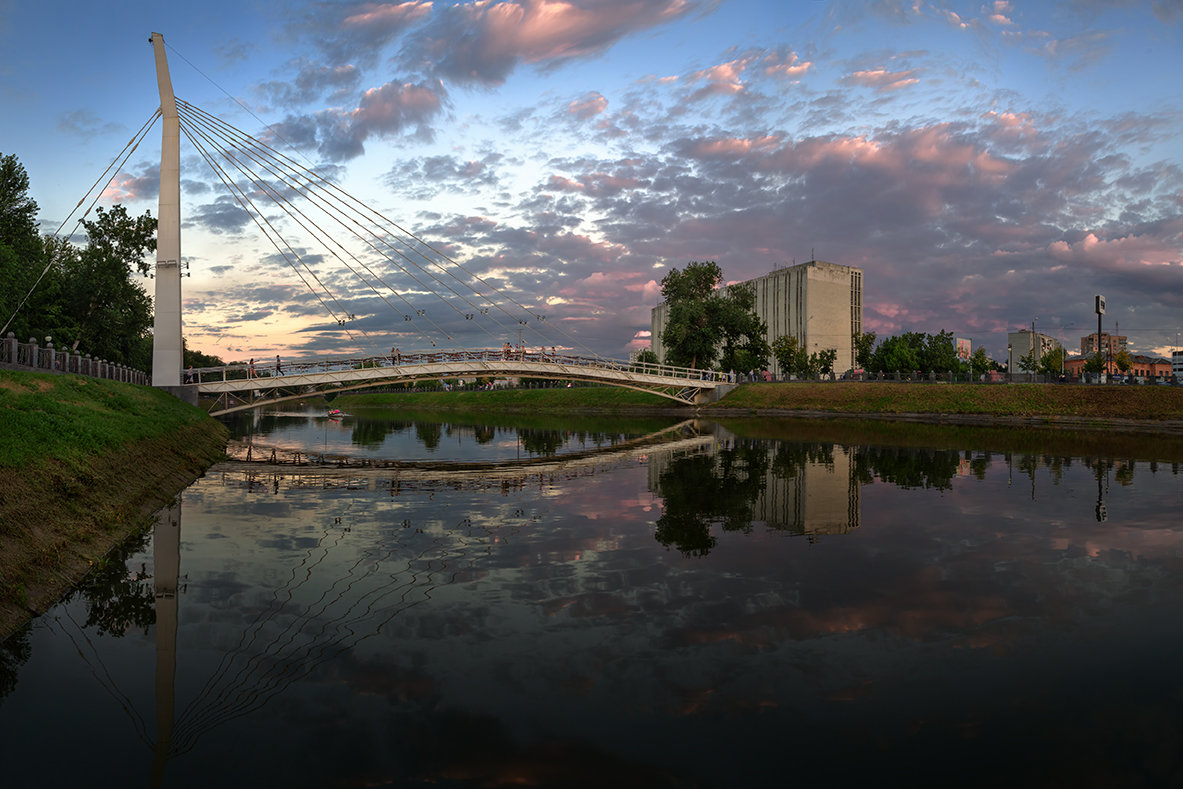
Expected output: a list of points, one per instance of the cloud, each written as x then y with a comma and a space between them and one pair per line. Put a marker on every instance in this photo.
358, 33
313, 81
483, 42
224, 215
84, 123
125, 187
881, 79
587, 107
388, 110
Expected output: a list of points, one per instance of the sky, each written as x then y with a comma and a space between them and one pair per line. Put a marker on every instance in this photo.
988, 165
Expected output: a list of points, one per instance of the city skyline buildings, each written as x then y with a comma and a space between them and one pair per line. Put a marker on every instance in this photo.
982, 163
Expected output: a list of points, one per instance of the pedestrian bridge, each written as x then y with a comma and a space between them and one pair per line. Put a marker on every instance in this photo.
240, 387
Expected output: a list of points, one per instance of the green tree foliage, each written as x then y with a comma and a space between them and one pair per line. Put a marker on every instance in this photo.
646, 356
105, 311
1052, 362
704, 319
916, 352
790, 355
1095, 363
1123, 360
793, 359
22, 258
864, 348
979, 362
86, 299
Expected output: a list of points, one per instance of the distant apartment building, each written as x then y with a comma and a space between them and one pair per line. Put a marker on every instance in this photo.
1110, 345
819, 303
1023, 343
1177, 363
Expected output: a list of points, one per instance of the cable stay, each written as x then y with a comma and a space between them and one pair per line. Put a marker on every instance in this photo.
310, 225
267, 229
317, 189
322, 200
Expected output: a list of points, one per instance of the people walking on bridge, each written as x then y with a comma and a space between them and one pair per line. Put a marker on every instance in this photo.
250, 370
278, 366
396, 356
189, 375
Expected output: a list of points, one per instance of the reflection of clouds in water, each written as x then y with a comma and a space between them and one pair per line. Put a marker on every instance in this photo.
386, 614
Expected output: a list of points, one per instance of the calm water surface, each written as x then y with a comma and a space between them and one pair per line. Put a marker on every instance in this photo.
711, 611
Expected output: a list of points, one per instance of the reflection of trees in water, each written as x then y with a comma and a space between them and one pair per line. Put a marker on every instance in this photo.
429, 433
906, 467
540, 442
743, 482
116, 601
14, 653
703, 490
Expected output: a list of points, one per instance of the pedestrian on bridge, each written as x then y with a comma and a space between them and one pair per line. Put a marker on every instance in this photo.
250, 370
278, 366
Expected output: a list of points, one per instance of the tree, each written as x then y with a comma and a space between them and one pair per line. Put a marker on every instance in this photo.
979, 362
900, 353
1052, 362
1123, 360
790, 355
744, 346
104, 311
1095, 364
22, 257
646, 356
824, 360
939, 353
703, 316
864, 348
1027, 362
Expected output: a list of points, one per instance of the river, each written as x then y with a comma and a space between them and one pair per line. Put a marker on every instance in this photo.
598, 602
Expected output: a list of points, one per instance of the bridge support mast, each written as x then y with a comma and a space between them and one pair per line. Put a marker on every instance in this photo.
167, 357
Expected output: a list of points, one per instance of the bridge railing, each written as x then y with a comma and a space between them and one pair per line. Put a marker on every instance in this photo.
269, 369
38, 357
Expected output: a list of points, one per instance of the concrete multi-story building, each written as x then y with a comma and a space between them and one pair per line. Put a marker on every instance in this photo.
1110, 345
819, 303
1022, 343
1177, 363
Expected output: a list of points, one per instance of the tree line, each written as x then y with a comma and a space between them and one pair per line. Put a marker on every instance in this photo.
712, 327
87, 297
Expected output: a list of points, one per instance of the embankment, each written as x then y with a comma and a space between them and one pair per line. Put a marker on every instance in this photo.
83, 465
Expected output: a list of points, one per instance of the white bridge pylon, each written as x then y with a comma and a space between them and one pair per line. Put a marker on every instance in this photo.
239, 387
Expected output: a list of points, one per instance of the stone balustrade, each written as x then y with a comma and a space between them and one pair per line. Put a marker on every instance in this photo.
35, 356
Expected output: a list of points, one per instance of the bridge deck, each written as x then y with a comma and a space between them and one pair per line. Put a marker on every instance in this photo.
264, 382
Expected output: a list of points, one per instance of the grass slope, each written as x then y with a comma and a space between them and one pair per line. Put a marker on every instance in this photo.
83, 464
1013, 400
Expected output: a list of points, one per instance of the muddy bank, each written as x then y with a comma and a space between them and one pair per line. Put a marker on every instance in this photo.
61, 514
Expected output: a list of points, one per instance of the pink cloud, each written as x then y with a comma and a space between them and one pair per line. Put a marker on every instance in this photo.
723, 79
375, 15
881, 79
787, 66
1128, 250
588, 107
392, 107
482, 41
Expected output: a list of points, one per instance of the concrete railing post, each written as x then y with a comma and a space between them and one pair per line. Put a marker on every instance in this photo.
9, 352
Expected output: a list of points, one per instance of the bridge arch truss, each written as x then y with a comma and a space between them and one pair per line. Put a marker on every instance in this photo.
241, 387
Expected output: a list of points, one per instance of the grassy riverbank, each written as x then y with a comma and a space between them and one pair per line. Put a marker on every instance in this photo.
1101, 403
1013, 400
83, 465
579, 398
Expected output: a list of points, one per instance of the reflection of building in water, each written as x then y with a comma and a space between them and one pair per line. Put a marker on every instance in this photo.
805, 488
819, 498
